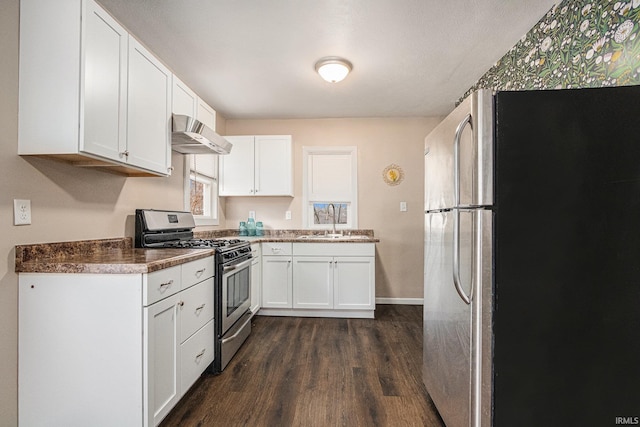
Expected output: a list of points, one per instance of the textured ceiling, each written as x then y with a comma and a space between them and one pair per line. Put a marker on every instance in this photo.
255, 58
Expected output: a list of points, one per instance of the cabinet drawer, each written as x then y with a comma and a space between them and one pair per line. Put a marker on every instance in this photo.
334, 249
196, 354
276, 248
196, 271
196, 308
160, 284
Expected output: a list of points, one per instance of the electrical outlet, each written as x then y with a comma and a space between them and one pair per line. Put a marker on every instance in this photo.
287, 215
403, 206
21, 212
252, 214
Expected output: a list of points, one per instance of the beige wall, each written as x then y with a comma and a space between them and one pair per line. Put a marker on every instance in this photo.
380, 142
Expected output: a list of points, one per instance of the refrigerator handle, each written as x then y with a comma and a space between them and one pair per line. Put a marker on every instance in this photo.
456, 200
456, 159
456, 257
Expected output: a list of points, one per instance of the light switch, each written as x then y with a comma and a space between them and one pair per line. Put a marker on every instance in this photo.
287, 215
403, 206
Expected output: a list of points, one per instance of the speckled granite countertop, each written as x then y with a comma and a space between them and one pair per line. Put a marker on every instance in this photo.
310, 236
118, 256
106, 256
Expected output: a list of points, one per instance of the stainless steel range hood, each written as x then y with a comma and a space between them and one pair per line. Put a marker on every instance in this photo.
190, 136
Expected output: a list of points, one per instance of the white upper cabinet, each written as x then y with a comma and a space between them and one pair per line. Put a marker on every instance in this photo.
184, 100
258, 166
104, 77
89, 93
237, 168
205, 114
187, 102
148, 110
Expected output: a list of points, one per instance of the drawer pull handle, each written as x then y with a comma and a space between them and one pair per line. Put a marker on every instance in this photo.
199, 355
200, 308
169, 283
199, 272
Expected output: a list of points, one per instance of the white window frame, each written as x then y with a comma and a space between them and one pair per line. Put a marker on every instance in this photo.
351, 200
212, 196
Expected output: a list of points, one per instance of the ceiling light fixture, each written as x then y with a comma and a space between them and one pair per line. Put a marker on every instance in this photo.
333, 69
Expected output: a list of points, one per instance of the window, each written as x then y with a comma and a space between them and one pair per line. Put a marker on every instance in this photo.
201, 187
330, 178
323, 213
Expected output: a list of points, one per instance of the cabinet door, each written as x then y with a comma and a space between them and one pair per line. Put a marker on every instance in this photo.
148, 111
236, 168
313, 282
274, 166
162, 356
104, 84
276, 282
354, 283
205, 114
183, 100
256, 278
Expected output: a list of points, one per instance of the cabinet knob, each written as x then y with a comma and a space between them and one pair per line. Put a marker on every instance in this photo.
181, 303
125, 153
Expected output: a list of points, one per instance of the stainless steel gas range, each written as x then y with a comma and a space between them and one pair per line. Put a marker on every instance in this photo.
158, 229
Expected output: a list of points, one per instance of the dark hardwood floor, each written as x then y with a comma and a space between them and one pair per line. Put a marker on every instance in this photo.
319, 372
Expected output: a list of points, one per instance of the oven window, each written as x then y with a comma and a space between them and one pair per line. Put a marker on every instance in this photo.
237, 290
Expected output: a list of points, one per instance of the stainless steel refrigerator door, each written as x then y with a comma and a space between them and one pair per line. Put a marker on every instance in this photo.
459, 156
481, 333
447, 318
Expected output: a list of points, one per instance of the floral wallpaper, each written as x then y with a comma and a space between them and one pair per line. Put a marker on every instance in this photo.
578, 43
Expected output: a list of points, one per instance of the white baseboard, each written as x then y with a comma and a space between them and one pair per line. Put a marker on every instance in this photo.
400, 301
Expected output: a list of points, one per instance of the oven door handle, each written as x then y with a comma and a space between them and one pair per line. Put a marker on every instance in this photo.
236, 266
234, 336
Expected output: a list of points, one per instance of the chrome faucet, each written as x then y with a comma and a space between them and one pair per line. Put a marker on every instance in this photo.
333, 217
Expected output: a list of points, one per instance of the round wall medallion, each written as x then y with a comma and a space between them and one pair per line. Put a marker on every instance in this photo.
393, 174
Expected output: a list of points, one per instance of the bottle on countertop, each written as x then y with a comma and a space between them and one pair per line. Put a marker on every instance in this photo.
259, 229
243, 229
251, 227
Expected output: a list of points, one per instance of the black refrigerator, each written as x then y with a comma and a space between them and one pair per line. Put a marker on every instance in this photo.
532, 259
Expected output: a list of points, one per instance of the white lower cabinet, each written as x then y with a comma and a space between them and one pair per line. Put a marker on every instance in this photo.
319, 279
162, 344
313, 282
340, 283
276, 281
276, 275
112, 349
256, 277
354, 283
